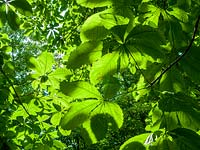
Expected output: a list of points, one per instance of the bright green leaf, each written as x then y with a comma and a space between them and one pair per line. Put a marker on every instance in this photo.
94, 3
108, 65
79, 89
55, 119
78, 113
135, 143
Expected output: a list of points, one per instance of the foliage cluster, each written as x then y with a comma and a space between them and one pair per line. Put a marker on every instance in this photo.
100, 74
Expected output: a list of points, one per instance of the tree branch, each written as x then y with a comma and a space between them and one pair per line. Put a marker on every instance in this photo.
9, 81
180, 57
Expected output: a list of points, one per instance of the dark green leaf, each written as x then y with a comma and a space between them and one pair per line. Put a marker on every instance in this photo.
186, 139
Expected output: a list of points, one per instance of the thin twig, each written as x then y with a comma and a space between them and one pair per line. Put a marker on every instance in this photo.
180, 57
19, 100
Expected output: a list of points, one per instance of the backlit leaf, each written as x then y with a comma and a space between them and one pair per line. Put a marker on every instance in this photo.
136, 142
79, 89
78, 113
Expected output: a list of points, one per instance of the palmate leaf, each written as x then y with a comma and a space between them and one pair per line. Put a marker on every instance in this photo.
9, 12
79, 90
86, 53
151, 14
106, 116
78, 113
86, 112
97, 26
108, 65
145, 41
43, 64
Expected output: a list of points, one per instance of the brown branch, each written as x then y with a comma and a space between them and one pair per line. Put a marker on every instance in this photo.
180, 57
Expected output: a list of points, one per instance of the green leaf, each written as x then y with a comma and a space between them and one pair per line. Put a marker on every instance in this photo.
110, 20
79, 89
78, 113
105, 116
190, 64
2, 17
108, 65
110, 87
22, 6
86, 53
179, 14
176, 110
94, 3
146, 41
172, 81
150, 15
97, 26
13, 19
186, 139
55, 119
135, 143
113, 110
42, 65
59, 144
60, 74
164, 143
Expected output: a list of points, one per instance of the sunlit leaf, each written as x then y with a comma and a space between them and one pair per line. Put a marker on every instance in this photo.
136, 142
97, 26
79, 89
108, 65
78, 113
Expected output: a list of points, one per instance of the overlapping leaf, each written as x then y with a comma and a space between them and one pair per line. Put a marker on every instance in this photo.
190, 64
97, 26
9, 12
176, 110
86, 53
146, 41
108, 65
172, 81
152, 14
89, 113
78, 113
136, 142
106, 116
79, 90
186, 139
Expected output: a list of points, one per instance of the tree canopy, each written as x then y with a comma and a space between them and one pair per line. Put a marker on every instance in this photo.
100, 74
